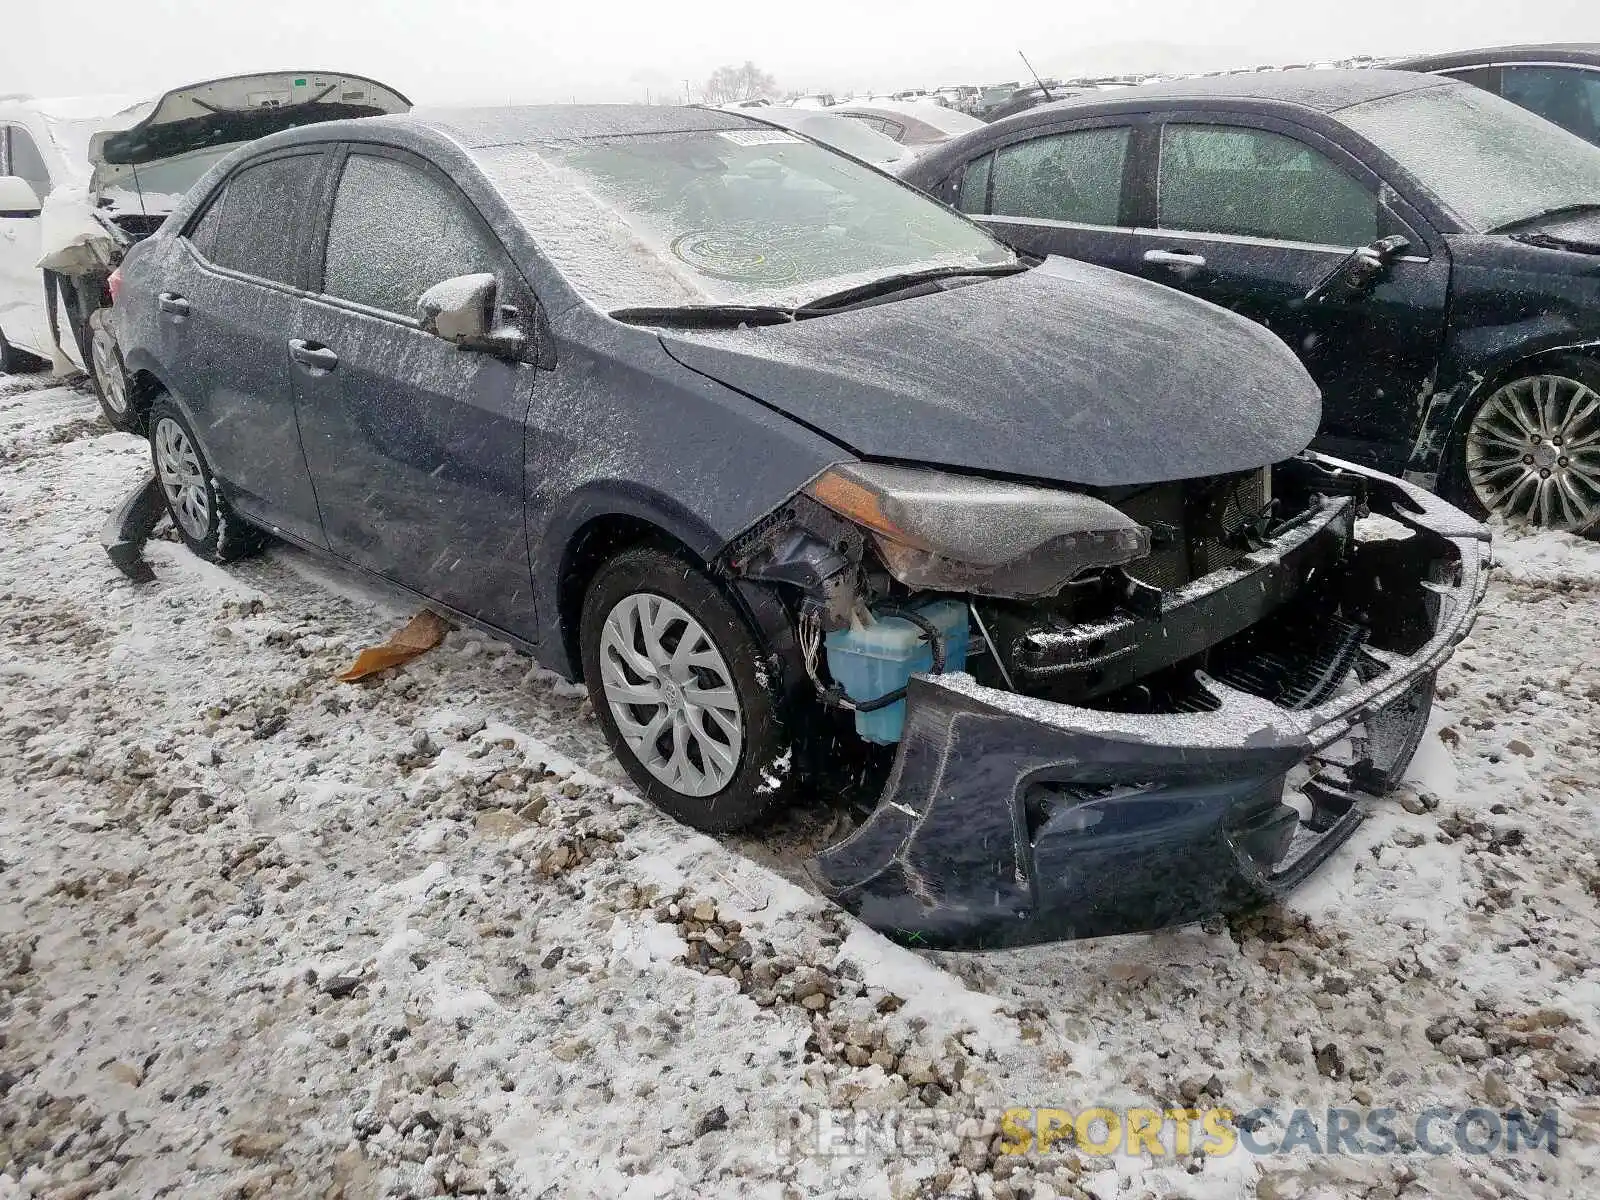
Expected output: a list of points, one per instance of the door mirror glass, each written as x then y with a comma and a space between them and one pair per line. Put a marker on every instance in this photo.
17, 197
1360, 272
466, 310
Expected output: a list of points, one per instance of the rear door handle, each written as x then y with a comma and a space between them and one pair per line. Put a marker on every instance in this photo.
1182, 259
313, 355
173, 303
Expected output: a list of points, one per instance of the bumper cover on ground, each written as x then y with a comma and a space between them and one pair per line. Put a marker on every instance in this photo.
1011, 821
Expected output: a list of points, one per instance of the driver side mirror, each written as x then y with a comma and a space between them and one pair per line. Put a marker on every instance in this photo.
1360, 272
466, 311
17, 197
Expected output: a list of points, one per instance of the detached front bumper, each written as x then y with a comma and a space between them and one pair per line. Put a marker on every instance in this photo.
1011, 821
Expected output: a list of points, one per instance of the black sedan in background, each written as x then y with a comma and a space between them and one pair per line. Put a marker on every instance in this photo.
758, 441
1559, 82
1430, 251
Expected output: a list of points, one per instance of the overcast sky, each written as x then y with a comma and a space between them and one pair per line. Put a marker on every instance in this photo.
499, 51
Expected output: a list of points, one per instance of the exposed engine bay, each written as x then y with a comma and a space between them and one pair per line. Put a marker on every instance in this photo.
1113, 599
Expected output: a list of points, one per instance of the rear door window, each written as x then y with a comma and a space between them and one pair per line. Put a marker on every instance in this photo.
260, 217
1257, 183
26, 162
1073, 176
397, 230
1565, 95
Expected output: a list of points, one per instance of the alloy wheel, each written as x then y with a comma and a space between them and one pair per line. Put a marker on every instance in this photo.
1533, 453
108, 374
182, 479
671, 693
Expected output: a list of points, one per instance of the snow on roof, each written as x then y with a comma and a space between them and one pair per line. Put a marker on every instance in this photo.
1326, 91
476, 128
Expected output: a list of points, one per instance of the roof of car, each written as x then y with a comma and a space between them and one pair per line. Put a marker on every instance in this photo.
1321, 90
476, 128
1587, 53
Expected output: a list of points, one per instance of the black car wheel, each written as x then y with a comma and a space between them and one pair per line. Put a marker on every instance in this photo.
1530, 452
201, 514
676, 678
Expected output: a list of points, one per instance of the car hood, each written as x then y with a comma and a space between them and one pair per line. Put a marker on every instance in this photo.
1068, 373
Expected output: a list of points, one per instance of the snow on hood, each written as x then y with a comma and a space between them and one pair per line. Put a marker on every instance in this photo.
1069, 373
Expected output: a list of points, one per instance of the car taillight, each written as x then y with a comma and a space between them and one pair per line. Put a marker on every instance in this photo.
114, 284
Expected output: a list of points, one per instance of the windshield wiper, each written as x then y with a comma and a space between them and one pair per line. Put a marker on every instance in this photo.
730, 316
889, 285
1561, 210
706, 316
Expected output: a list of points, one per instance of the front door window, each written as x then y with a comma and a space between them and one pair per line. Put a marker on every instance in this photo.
1256, 183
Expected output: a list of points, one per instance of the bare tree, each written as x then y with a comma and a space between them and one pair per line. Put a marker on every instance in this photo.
730, 84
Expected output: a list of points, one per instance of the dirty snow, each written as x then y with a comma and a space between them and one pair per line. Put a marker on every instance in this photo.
262, 933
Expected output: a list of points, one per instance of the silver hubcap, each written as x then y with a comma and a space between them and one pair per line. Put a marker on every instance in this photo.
671, 694
181, 478
109, 375
1533, 453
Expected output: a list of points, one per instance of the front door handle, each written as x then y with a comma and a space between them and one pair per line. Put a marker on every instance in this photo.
173, 303
1182, 260
313, 355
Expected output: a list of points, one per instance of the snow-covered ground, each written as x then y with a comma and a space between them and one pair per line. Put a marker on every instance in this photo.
263, 933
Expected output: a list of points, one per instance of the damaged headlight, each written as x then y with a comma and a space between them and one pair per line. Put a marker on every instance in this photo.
964, 534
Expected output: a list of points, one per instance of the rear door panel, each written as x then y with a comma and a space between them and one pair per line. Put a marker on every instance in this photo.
224, 333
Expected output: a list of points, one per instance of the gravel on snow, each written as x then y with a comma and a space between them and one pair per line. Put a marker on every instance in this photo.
262, 933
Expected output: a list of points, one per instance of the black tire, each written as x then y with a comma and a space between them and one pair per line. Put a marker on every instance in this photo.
764, 775
19, 362
1455, 484
222, 536
112, 387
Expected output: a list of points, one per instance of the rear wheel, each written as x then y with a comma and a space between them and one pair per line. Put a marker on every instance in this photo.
677, 680
201, 514
111, 385
1531, 450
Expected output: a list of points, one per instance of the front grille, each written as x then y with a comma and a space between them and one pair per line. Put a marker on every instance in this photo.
1197, 526
1297, 660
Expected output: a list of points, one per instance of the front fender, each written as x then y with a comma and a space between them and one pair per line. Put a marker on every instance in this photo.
1474, 367
557, 541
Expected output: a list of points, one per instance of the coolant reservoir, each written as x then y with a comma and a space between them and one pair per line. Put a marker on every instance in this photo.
873, 660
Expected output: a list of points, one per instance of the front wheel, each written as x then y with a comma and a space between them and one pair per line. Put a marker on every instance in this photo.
1531, 451
678, 682
201, 514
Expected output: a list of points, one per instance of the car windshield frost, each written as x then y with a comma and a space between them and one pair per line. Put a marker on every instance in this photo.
740, 216
1487, 160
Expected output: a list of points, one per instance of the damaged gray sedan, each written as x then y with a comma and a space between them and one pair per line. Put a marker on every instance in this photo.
776, 454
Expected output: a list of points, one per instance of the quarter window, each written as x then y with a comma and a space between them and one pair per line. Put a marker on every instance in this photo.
1487, 78
1255, 183
396, 231
1567, 96
974, 197
1068, 177
259, 217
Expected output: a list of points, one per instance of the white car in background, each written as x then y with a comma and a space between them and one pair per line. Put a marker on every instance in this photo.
917, 124
82, 179
838, 133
